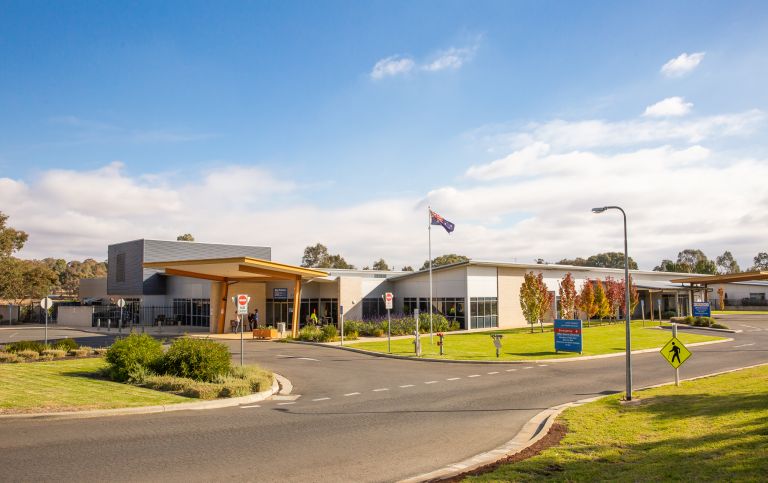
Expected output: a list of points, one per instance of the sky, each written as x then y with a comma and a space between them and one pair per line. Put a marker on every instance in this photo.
289, 123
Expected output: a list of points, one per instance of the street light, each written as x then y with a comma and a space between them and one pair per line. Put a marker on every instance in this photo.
628, 396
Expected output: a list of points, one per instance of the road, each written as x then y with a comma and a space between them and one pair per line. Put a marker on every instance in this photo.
357, 417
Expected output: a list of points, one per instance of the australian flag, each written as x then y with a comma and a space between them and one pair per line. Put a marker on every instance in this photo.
439, 220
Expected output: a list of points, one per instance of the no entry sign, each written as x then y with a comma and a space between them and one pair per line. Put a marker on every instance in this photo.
242, 304
388, 297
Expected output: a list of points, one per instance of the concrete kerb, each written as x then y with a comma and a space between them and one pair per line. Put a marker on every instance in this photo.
531, 433
524, 361
280, 385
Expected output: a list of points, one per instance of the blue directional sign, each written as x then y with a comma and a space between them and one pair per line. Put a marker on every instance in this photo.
568, 336
280, 293
702, 309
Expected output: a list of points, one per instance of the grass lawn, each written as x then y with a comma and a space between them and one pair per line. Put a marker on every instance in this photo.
713, 429
521, 344
740, 312
69, 385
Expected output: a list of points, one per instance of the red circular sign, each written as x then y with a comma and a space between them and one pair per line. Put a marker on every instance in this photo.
242, 300
389, 296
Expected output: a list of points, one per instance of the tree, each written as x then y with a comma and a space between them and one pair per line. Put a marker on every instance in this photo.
601, 260
407, 268
445, 260
22, 279
603, 309
634, 298
11, 240
761, 262
317, 256
568, 297
613, 292
688, 261
721, 297
727, 264
586, 300
380, 265
535, 298
185, 237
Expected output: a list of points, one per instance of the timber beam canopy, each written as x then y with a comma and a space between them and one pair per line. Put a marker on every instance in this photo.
241, 269
728, 278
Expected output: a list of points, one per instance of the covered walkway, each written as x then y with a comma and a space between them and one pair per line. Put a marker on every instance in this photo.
229, 271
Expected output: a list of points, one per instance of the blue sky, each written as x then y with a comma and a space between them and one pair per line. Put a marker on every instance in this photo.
286, 96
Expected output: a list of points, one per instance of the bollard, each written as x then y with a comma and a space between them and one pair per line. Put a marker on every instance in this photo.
440, 335
497, 342
98, 324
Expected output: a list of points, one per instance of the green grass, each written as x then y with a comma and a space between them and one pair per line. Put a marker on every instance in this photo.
69, 385
740, 312
713, 429
521, 344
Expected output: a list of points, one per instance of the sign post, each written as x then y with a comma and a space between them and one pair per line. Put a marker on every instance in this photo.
121, 304
642, 310
658, 302
341, 316
46, 304
497, 343
388, 305
675, 353
416, 341
568, 336
242, 309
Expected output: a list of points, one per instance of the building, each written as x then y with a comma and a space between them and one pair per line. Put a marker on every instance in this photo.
193, 284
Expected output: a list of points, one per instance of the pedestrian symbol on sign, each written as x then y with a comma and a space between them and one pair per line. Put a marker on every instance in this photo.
675, 352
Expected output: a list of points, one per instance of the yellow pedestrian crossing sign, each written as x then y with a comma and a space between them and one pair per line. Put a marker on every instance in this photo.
675, 352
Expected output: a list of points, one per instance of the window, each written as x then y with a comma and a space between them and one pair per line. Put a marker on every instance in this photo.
194, 312
484, 312
278, 310
409, 305
757, 296
120, 267
373, 307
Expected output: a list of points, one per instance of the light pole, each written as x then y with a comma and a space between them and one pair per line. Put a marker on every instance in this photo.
628, 396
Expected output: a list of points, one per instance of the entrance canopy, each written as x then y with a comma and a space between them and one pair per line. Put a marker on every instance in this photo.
241, 269
731, 277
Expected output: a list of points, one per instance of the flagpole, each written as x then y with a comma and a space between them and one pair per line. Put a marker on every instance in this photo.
429, 229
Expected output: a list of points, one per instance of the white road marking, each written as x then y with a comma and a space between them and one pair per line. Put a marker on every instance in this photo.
283, 356
529, 367
251, 406
431, 382
474, 375
511, 370
321, 399
286, 403
750, 326
381, 389
494, 372
743, 345
12, 335
407, 385
352, 394
308, 359
543, 365
453, 379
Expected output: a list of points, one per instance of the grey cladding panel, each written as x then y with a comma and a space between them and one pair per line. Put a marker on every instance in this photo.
130, 279
166, 251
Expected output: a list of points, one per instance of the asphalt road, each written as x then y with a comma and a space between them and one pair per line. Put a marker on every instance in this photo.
357, 418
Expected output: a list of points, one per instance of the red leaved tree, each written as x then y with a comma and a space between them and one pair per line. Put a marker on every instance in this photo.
586, 300
614, 293
634, 298
568, 297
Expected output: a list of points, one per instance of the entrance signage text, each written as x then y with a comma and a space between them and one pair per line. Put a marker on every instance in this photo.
568, 337
702, 309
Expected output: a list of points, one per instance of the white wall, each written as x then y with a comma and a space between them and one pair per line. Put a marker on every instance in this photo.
482, 281
186, 288
451, 282
75, 316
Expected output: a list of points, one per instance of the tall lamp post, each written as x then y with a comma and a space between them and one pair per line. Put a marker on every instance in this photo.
628, 396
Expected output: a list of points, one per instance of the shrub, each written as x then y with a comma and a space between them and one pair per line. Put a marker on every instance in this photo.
719, 326
28, 355
101, 351
351, 335
135, 350
83, 351
54, 353
329, 333
310, 333
689, 320
198, 359
258, 379
25, 345
66, 344
237, 382
668, 313
677, 320
9, 357
45, 358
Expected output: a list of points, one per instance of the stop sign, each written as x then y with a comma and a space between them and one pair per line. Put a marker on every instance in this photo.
242, 300
388, 300
389, 296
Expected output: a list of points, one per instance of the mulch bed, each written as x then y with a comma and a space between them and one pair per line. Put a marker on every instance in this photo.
553, 437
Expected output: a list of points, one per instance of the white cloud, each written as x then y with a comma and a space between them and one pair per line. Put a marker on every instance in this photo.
596, 133
392, 66
452, 58
682, 64
669, 107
